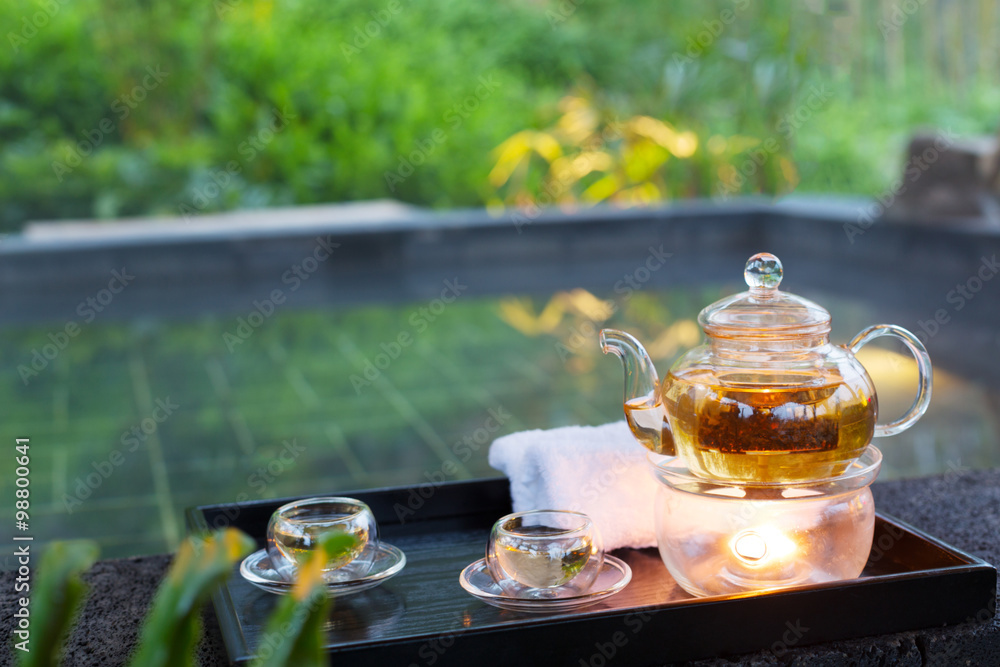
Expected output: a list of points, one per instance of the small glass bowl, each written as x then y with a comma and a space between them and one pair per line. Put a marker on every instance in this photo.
544, 553
726, 537
295, 530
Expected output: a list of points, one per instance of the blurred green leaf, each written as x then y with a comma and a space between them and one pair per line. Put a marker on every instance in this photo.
171, 629
55, 600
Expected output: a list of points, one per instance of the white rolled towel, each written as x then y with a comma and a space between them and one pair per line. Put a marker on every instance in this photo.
598, 470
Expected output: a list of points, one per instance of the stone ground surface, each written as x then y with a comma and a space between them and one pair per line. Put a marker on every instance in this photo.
961, 508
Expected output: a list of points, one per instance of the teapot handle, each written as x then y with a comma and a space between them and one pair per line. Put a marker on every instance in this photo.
923, 398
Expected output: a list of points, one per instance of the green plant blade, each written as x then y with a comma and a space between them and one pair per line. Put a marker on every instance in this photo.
171, 629
294, 633
55, 601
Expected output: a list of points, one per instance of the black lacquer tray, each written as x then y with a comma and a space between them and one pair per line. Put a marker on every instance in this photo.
423, 617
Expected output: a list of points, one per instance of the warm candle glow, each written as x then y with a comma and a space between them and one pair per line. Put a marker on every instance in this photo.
750, 547
761, 545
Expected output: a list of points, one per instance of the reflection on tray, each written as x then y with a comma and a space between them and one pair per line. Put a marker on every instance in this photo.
367, 614
362, 616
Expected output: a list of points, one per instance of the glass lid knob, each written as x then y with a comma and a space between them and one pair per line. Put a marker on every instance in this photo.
763, 272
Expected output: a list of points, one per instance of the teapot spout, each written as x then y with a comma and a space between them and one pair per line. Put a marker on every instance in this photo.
641, 381
644, 409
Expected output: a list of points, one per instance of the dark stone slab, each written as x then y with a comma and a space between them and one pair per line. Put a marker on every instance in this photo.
107, 630
906, 271
960, 507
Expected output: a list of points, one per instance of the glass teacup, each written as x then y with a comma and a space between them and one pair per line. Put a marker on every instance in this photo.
544, 552
296, 529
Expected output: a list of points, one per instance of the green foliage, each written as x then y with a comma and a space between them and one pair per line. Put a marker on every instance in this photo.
354, 114
367, 91
172, 627
589, 156
55, 600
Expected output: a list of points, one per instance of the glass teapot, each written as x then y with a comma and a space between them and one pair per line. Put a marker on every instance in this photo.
767, 398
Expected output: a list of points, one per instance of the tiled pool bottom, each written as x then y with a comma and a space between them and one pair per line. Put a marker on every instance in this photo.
131, 423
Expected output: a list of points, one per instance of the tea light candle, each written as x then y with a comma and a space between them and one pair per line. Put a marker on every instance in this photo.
720, 537
761, 546
749, 547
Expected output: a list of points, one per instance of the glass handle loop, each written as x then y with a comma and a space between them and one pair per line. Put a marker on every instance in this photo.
924, 379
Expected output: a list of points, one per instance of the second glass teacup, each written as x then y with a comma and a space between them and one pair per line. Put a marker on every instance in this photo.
543, 553
296, 529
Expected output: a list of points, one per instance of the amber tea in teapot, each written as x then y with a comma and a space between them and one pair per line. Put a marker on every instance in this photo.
768, 398
796, 427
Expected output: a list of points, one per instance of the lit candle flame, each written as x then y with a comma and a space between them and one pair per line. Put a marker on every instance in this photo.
759, 546
750, 546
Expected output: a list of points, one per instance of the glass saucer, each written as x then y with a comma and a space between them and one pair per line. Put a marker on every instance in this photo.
389, 561
614, 576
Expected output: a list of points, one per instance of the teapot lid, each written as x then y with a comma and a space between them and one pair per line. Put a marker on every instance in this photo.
764, 311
